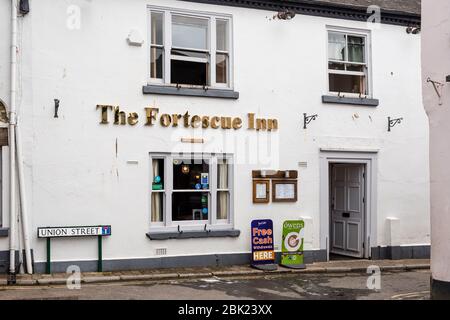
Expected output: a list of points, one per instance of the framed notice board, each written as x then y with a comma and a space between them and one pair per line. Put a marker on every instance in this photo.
284, 191
261, 191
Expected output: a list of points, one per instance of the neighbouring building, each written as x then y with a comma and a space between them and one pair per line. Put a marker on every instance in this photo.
159, 117
435, 78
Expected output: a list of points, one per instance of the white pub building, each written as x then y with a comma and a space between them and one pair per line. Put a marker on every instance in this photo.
168, 126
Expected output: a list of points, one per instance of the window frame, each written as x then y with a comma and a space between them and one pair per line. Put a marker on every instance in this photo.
211, 50
366, 34
168, 225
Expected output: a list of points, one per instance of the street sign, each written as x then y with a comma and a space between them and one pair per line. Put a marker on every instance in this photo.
74, 232
263, 254
292, 244
61, 232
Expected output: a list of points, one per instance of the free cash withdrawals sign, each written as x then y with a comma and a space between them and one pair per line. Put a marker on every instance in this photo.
61, 232
262, 242
292, 244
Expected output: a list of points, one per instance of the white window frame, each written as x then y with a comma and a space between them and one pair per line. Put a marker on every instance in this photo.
211, 50
195, 225
366, 34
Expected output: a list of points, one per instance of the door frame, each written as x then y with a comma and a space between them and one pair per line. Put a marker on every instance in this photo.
363, 157
363, 204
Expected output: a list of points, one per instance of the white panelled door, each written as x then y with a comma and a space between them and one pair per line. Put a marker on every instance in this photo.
347, 209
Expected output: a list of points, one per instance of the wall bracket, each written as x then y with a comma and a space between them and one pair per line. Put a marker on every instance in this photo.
307, 119
393, 122
437, 88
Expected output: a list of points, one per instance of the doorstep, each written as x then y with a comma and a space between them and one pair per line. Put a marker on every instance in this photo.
351, 266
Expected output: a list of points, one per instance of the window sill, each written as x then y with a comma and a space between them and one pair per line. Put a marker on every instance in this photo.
232, 233
192, 92
353, 101
4, 232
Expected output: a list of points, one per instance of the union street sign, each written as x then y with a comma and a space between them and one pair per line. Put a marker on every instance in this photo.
83, 231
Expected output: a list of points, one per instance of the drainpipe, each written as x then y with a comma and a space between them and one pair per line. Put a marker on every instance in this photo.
23, 202
12, 142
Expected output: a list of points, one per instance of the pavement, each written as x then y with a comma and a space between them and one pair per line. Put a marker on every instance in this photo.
205, 273
391, 285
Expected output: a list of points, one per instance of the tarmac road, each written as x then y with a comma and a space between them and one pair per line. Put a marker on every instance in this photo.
413, 285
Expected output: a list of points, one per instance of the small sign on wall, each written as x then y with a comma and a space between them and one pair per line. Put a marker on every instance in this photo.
284, 186
284, 191
261, 191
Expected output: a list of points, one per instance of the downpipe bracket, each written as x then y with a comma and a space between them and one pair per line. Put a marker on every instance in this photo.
12, 118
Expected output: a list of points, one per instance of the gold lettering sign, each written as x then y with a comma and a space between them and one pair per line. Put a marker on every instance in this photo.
153, 116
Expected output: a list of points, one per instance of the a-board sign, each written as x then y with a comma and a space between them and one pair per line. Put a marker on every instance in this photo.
262, 243
82, 231
292, 244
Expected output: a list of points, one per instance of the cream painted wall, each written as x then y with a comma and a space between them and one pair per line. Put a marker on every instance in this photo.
436, 66
75, 178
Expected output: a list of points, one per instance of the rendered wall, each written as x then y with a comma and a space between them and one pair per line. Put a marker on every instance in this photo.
75, 177
436, 66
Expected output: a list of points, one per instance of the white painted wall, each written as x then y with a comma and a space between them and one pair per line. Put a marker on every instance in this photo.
436, 66
74, 175
5, 45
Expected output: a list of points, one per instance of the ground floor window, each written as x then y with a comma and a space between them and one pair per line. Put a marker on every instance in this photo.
191, 189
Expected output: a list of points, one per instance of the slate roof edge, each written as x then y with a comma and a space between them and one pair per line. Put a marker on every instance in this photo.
322, 9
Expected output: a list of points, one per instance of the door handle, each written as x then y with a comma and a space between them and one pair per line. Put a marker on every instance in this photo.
346, 214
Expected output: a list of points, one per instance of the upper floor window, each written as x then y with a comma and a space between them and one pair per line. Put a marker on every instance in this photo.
348, 69
190, 49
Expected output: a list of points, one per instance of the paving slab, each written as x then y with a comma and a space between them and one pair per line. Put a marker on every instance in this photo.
195, 275
154, 276
311, 270
393, 267
51, 281
338, 269
137, 277
26, 282
100, 279
417, 266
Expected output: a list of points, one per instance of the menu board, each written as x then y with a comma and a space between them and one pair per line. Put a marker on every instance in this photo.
284, 191
261, 191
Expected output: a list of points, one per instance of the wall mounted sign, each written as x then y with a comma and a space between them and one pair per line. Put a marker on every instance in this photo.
284, 191
152, 116
263, 254
261, 191
284, 185
74, 232
292, 244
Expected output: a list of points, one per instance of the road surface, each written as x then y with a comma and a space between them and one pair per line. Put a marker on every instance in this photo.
413, 285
